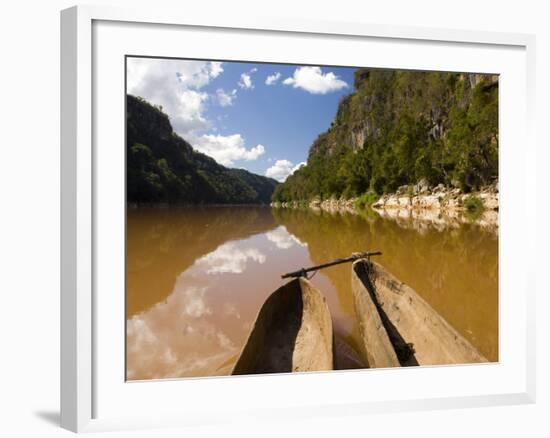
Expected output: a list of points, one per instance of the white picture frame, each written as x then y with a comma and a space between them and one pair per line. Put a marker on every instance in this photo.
86, 377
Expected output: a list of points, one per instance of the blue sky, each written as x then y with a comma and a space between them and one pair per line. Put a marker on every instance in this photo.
232, 112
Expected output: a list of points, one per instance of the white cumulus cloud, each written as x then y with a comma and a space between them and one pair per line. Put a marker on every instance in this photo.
226, 98
272, 79
215, 69
246, 79
178, 87
226, 149
246, 82
175, 85
313, 80
282, 169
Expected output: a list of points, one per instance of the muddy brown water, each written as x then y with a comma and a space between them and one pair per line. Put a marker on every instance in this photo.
196, 278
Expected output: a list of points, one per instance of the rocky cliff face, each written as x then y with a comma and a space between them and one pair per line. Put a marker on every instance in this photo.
362, 114
398, 127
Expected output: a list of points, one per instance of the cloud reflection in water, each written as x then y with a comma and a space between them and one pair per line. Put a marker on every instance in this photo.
283, 239
228, 258
198, 328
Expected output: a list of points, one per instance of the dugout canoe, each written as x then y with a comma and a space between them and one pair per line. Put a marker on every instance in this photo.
292, 333
403, 320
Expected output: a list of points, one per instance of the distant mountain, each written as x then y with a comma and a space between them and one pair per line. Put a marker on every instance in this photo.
164, 168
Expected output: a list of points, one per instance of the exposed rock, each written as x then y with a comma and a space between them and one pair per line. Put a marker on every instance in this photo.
490, 200
402, 190
436, 198
454, 203
404, 201
380, 203
391, 202
315, 203
358, 137
421, 187
333, 204
455, 192
427, 202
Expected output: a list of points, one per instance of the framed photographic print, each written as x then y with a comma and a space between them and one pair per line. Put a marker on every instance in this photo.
329, 209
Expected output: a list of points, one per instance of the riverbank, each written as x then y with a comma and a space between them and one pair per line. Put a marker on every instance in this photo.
423, 197
439, 206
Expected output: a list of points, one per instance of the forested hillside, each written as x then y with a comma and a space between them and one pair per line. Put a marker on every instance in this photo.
399, 127
163, 168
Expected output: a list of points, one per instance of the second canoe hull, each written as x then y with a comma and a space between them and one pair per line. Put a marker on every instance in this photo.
420, 335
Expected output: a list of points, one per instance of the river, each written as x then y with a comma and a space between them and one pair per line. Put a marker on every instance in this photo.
196, 278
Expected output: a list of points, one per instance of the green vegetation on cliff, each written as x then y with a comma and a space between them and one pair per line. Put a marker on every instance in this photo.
398, 127
163, 168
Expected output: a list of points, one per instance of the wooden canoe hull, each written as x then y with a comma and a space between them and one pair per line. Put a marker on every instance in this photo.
420, 335
292, 333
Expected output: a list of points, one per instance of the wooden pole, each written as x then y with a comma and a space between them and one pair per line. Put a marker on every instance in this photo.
355, 256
